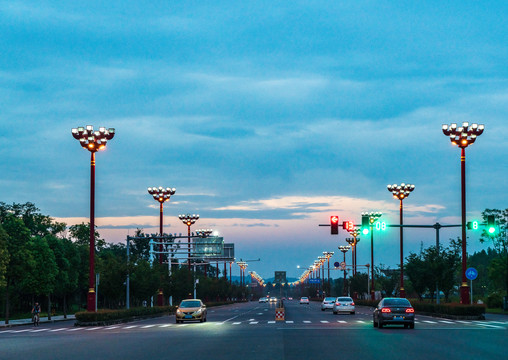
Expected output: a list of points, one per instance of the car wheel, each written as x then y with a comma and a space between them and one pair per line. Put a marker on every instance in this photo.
322, 309
412, 325
379, 324
352, 312
335, 313
374, 323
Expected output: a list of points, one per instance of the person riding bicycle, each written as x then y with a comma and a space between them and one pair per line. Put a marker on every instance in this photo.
36, 310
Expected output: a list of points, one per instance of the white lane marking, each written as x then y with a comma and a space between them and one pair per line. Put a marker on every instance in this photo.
492, 326
54, 330
94, 328
266, 309
289, 322
446, 322
75, 329
253, 322
165, 325
271, 322
463, 322
429, 322
360, 321
147, 326
19, 331
219, 323
342, 321
131, 327
236, 323
39, 330
112, 327
324, 322
307, 321
259, 314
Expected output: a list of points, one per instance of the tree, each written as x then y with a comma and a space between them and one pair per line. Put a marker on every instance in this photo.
4, 257
80, 233
418, 273
500, 242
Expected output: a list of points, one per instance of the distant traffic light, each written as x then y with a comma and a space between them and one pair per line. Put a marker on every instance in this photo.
491, 224
348, 225
472, 225
365, 224
334, 224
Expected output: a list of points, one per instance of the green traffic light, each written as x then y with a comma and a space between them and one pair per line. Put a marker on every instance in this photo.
492, 230
365, 231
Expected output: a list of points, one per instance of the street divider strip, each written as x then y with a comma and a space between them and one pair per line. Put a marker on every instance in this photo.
280, 312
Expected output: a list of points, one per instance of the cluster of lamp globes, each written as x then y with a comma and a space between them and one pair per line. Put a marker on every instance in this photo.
93, 140
401, 191
161, 194
464, 135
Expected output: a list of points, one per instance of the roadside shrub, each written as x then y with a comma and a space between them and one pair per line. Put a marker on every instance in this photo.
495, 300
110, 315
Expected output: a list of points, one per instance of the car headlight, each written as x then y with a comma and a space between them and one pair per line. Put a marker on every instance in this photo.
178, 311
197, 312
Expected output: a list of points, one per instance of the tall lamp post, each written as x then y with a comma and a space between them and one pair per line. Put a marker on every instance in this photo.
93, 141
188, 220
373, 217
355, 233
401, 192
161, 195
328, 255
344, 249
463, 137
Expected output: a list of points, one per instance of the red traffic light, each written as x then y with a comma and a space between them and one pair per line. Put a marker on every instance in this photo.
334, 223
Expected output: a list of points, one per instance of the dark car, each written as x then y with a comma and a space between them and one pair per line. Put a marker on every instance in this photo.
394, 311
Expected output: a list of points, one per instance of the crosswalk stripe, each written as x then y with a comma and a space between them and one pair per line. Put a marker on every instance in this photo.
429, 322
38, 330
307, 321
92, 329
147, 326
289, 322
112, 327
446, 322
236, 323
130, 327
360, 321
253, 322
342, 321
54, 330
75, 329
165, 325
271, 322
324, 322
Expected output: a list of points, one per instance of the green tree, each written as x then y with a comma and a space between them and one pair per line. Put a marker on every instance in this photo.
4, 257
417, 271
500, 242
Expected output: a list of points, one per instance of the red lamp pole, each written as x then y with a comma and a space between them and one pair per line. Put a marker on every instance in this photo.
463, 137
161, 195
93, 141
401, 192
189, 220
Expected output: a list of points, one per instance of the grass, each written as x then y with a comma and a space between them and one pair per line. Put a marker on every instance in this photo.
496, 311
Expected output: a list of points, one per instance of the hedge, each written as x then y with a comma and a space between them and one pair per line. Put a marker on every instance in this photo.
453, 309
123, 315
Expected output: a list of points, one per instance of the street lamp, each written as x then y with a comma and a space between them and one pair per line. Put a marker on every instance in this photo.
328, 255
355, 233
188, 220
401, 192
344, 249
463, 137
373, 217
161, 195
93, 141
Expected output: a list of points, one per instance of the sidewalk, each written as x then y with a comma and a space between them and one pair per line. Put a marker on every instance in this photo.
20, 322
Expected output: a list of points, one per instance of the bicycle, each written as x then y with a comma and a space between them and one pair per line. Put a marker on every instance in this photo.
36, 319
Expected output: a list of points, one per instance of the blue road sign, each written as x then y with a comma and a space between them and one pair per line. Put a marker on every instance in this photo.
336, 264
314, 281
471, 273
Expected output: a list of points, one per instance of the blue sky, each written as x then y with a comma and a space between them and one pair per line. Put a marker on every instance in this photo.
266, 117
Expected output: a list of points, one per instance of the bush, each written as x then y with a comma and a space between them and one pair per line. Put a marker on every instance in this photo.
112, 315
495, 300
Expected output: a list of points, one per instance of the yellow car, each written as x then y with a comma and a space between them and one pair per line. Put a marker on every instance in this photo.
191, 309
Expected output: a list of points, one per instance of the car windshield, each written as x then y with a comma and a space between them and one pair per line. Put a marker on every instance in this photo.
344, 299
190, 304
396, 302
329, 299
304, 298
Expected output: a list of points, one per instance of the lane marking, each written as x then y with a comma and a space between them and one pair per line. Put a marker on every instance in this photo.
290, 322
446, 322
147, 326
324, 322
271, 322
39, 330
131, 327
253, 322
75, 329
342, 321
236, 323
360, 321
307, 322
429, 322
165, 325
94, 328
54, 330
112, 327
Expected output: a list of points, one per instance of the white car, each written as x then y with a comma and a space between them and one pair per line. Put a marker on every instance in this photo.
263, 299
344, 304
327, 303
304, 300
273, 299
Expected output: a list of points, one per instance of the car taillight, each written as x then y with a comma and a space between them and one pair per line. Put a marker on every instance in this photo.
352, 304
410, 310
338, 304
385, 310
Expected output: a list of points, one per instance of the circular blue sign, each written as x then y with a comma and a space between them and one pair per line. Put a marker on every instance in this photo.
471, 273
336, 264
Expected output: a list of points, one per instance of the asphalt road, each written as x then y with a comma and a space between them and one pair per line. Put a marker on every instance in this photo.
249, 331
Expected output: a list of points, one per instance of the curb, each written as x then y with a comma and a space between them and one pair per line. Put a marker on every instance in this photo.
40, 322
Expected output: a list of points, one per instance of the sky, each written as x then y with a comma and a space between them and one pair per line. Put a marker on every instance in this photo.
267, 117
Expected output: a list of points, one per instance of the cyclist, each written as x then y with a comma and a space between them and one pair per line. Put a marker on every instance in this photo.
36, 310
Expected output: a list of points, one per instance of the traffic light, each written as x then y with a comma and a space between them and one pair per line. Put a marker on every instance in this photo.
334, 224
365, 224
491, 224
472, 225
348, 225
